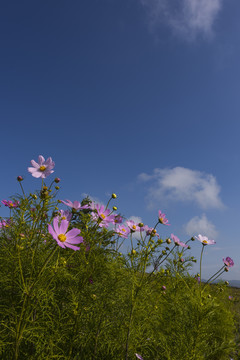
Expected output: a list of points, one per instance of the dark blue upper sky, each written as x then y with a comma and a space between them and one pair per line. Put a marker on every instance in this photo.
113, 89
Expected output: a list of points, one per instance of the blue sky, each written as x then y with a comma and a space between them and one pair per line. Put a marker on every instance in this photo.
136, 97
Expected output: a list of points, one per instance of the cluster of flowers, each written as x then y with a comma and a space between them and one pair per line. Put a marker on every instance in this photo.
101, 215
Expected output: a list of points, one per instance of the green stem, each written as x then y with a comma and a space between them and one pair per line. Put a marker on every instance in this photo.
201, 264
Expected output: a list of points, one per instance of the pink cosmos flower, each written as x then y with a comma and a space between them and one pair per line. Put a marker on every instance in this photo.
64, 215
150, 231
75, 205
5, 223
122, 231
162, 218
118, 219
177, 241
228, 261
63, 237
204, 240
102, 216
133, 226
10, 203
43, 168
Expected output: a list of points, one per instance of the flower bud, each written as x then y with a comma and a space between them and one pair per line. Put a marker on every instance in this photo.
140, 224
192, 238
168, 241
226, 283
114, 208
226, 269
134, 252
114, 196
57, 180
57, 187
19, 178
164, 287
164, 252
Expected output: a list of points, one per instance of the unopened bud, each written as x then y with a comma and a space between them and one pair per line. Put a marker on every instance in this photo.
140, 224
57, 180
57, 187
114, 196
19, 178
192, 238
168, 241
114, 208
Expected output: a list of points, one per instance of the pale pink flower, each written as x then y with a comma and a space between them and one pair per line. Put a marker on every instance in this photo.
102, 216
43, 168
63, 237
64, 215
150, 231
228, 261
204, 240
122, 231
133, 226
118, 219
162, 218
177, 241
5, 223
75, 205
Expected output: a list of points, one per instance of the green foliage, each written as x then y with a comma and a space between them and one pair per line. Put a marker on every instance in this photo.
98, 304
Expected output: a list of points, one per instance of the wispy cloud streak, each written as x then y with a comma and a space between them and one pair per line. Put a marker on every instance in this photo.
186, 18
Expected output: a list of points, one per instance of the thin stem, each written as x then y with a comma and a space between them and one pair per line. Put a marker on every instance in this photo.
201, 264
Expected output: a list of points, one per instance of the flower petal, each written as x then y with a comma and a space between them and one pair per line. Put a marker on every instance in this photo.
63, 227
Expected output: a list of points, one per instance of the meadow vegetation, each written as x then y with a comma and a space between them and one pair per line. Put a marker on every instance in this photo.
68, 292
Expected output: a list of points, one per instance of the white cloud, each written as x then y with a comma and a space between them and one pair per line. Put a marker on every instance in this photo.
200, 225
184, 185
186, 18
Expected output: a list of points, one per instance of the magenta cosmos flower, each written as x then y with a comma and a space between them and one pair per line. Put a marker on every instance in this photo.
10, 203
63, 237
133, 226
177, 241
150, 231
162, 218
204, 240
43, 168
64, 215
122, 231
75, 205
102, 216
228, 261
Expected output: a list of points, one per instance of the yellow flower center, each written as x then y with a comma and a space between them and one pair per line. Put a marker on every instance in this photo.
62, 237
102, 216
42, 168
134, 227
204, 242
64, 218
161, 220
